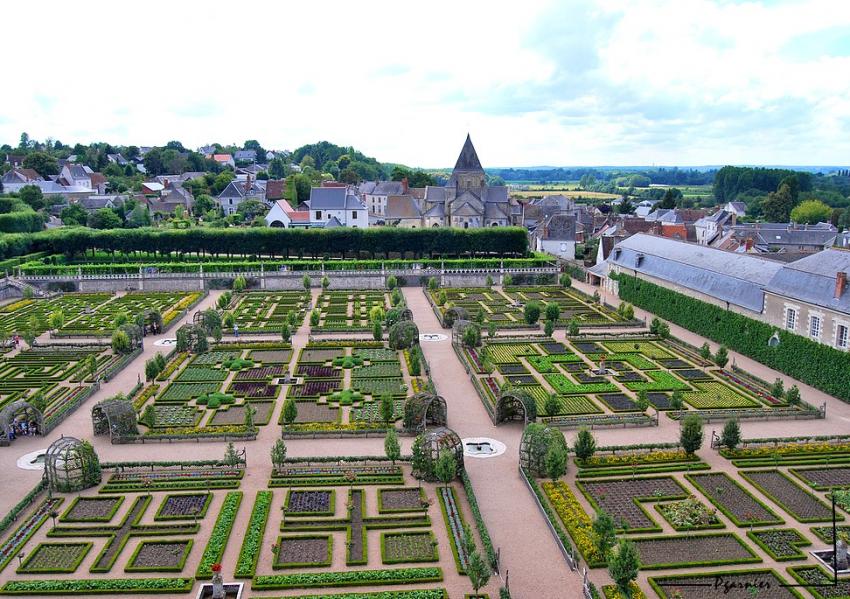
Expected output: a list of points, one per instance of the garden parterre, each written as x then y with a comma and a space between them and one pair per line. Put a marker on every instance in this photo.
345, 311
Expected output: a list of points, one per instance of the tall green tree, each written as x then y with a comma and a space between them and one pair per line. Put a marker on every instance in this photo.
777, 206
623, 566
446, 467
811, 212
690, 434
392, 449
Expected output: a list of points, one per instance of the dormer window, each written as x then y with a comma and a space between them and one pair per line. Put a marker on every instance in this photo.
617, 253
639, 259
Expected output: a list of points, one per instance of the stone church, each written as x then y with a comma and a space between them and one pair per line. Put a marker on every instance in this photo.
466, 201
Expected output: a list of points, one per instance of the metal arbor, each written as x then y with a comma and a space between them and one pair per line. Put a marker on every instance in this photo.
71, 465
403, 334
21, 411
114, 417
439, 439
152, 322
424, 410
516, 404
534, 445
459, 328
454, 313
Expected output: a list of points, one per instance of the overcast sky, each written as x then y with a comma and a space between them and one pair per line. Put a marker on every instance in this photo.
611, 82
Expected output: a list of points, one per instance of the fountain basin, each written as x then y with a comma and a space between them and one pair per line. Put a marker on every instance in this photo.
824, 556
33, 460
482, 447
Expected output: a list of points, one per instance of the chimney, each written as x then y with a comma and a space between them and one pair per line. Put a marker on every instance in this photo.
749, 244
248, 183
404, 185
840, 283
165, 183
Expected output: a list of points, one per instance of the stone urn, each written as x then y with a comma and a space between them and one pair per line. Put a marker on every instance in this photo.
841, 555
217, 582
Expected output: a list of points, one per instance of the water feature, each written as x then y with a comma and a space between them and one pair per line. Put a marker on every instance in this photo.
482, 447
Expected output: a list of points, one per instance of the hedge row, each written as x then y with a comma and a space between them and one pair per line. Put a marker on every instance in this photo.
813, 363
438, 241
71, 586
22, 221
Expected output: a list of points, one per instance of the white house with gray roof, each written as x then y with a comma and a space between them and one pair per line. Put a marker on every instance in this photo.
336, 206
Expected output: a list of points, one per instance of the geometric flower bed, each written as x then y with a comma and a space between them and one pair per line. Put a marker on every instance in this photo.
715, 549
347, 310
736, 584
159, 556
620, 499
782, 544
303, 551
183, 507
733, 500
801, 504
310, 503
401, 500
92, 509
401, 547
55, 558
267, 311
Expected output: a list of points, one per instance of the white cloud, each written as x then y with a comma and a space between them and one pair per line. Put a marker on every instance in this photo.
617, 82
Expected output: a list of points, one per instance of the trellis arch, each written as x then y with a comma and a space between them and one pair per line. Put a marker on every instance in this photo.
406, 314
152, 322
516, 404
534, 445
134, 334
459, 328
192, 338
114, 417
71, 465
403, 334
9, 415
438, 439
453, 314
423, 410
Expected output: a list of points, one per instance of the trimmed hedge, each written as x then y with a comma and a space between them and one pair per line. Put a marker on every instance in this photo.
813, 363
220, 535
84, 586
440, 241
348, 578
483, 533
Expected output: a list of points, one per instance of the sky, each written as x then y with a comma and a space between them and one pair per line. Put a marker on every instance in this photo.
538, 82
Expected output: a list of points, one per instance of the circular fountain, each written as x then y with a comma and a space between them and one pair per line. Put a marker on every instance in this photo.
482, 447
33, 460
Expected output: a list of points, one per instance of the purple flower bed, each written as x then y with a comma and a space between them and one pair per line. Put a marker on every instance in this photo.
22, 534
754, 390
254, 390
260, 374
316, 388
319, 372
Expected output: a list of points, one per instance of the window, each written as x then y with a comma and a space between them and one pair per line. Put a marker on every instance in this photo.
354, 214
791, 319
814, 326
841, 336
318, 215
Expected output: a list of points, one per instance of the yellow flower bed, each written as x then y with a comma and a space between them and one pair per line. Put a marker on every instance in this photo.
144, 396
788, 449
332, 426
611, 591
177, 308
626, 459
417, 384
17, 305
576, 520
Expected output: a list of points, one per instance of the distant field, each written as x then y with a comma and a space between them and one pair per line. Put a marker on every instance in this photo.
570, 193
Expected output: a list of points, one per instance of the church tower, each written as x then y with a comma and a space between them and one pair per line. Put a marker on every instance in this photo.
467, 173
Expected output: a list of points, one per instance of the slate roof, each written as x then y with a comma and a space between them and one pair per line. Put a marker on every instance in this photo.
815, 235
559, 227
78, 172
436, 211
812, 280
245, 155
468, 159
388, 188
274, 189
402, 206
21, 175
734, 278
334, 198
497, 210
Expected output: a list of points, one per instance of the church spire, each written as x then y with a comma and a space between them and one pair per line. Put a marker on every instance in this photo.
468, 159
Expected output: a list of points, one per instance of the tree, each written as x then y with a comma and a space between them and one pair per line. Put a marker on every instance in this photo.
792, 396
392, 282
278, 454
377, 330
160, 361
472, 335
507, 281
721, 358
203, 204
104, 218
811, 212
391, 446
731, 435
239, 284
286, 333
56, 320
249, 417
446, 467
573, 328
626, 206
121, 342
566, 280
149, 416
31, 195
549, 328
552, 405
623, 566
604, 533
671, 198
556, 461
478, 571
442, 298
419, 462
151, 369
777, 390
585, 444
326, 282
531, 312
387, 408
231, 458
290, 411
376, 314
305, 281
777, 206
690, 435
314, 318
705, 351
491, 329
73, 215
642, 400
553, 311
433, 285
676, 401
42, 163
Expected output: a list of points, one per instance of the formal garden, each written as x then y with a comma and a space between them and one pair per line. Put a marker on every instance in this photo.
527, 307
92, 314
591, 380
347, 311
263, 311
